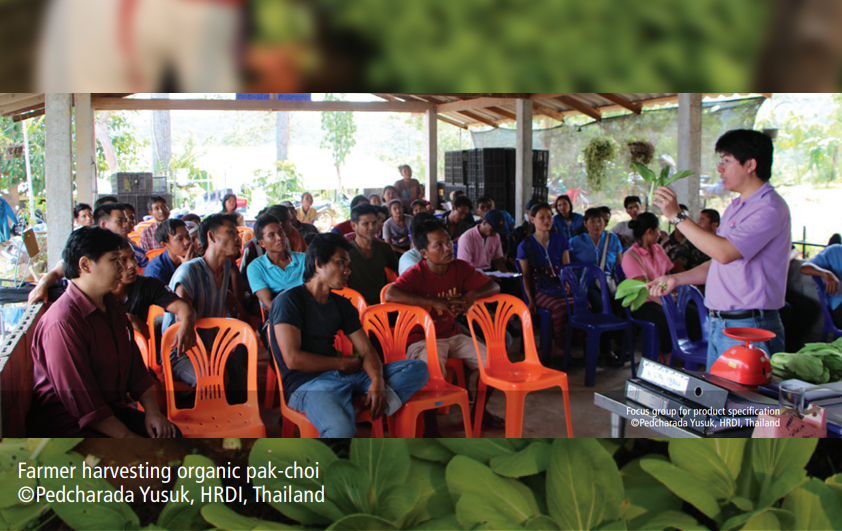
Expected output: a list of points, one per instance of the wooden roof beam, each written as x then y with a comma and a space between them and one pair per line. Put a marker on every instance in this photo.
120, 104
503, 112
581, 107
387, 97
621, 101
546, 111
23, 101
476, 118
476, 103
447, 120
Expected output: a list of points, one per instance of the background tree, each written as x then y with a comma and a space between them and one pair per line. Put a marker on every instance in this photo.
339, 129
13, 169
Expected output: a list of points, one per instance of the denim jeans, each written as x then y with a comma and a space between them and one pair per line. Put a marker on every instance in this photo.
718, 342
327, 400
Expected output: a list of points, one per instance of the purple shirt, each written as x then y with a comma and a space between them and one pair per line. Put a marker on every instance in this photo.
479, 251
759, 228
85, 362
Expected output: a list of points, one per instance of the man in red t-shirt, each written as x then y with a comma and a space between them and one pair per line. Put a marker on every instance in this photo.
446, 288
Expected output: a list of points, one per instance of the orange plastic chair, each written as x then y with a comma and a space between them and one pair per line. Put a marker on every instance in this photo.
438, 392
391, 276
292, 418
383, 292
154, 311
212, 416
142, 346
246, 235
514, 379
154, 252
140, 227
134, 237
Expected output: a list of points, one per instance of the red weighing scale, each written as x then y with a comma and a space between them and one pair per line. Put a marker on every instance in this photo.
745, 364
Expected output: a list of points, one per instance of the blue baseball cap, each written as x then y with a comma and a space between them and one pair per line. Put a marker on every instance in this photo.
496, 219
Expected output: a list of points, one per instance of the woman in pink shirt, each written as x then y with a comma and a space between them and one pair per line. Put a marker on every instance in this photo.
646, 260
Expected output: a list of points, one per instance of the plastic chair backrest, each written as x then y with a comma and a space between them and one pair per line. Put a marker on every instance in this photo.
142, 346
391, 276
134, 237
341, 342
494, 328
829, 325
393, 339
209, 365
619, 274
676, 312
154, 311
578, 278
154, 252
383, 292
246, 235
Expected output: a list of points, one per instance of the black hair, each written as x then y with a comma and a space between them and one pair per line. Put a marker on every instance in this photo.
630, 200
417, 202
212, 224
421, 230
389, 186
363, 210
712, 214
461, 201
79, 208
382, 209
103, 212
103, 199
593, 213
261, 223
374, 195
643, 223
402, 166
419, 218
91, 242
167, 228
125, 243
279, 211
191, 217
357, 200
605, 209
682, 206
321, 250
154, 199
307, 193
484, 199
129, 206
744, 145
534, 212
225, 198
394, 202
566, 198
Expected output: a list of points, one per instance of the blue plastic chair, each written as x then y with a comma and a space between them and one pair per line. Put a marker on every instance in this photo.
648, 331
829, 327
578, 278
694, 353
545, 317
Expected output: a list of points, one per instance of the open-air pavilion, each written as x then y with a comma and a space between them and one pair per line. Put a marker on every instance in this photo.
66, 158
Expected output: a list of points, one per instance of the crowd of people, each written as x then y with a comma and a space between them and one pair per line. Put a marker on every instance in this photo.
281, 282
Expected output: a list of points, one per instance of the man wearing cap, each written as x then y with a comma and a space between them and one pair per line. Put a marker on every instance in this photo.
173, 236
745, 279
481, 246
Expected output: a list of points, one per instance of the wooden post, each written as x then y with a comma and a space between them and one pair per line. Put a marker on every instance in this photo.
58, 175
86, 187
523, 158
431, 152
689, 150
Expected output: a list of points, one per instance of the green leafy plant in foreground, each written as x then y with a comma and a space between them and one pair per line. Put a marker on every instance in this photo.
634, 293
658, 180
514, 484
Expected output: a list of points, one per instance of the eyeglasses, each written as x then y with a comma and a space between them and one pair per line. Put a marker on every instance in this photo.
723, 162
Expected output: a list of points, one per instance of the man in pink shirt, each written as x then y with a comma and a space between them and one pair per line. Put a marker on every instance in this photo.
746, 276
481, 247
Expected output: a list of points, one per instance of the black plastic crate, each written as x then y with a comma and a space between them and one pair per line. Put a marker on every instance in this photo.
540, 193
140, 202
160, 185
456, 167
540, 167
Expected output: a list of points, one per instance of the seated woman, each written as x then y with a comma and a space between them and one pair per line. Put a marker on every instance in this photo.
541, 255
602, 249
566, 221
646, 260
396, 228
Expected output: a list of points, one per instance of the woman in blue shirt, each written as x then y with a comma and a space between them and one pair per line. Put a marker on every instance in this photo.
540, 257
566, 221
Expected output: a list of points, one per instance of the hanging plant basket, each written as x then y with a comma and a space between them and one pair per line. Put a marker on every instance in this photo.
641, 152
598, 153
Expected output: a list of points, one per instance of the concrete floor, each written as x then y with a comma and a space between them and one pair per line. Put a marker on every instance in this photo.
543, 412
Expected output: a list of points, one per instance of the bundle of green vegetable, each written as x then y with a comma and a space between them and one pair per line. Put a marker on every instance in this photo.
658, 180
633, 292
817, 363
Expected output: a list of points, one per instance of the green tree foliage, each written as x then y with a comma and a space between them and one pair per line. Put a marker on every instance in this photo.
128, 147
339, 130
13, 171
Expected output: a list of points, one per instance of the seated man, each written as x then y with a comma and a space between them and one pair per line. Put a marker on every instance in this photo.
138, 294
459, 220
204, 284
621, 229
85, 359
316, 382
446, 288
295, 242
159, 210
173, 236
345, 227
413, 256
278, 269
828, 266
481, 246
307, 231
369, 257
687, 256
112, 216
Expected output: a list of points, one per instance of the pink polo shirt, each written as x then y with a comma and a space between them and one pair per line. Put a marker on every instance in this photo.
477, 251
759, 228
655, 264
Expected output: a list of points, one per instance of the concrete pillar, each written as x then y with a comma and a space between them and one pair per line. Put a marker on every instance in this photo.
86, 188
58, 176
161, 139
689, 150
431, 152
523, 158
282, 135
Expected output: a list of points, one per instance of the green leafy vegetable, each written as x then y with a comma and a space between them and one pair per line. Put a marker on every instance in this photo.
658, 180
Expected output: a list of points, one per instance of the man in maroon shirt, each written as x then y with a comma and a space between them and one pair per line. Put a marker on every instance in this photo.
85, 359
